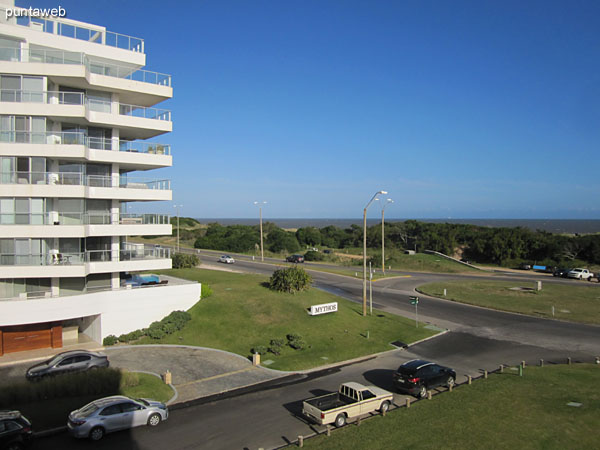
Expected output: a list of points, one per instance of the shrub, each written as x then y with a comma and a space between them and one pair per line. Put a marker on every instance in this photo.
155, 331
111, 339
311, 255
185, 261
260, 349
296, 342
290, 279
275, 346
205, 291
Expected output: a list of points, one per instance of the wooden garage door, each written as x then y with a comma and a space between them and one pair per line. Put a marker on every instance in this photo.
26, 337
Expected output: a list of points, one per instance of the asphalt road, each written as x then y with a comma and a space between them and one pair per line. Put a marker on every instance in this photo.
477, 339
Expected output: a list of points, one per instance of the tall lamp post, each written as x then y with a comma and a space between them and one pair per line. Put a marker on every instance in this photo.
389, 200
259, 204
365, 251
177, 207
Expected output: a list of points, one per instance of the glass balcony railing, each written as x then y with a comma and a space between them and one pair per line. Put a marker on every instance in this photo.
79, 138
79, 179
79, 218
54, 258
90, 33
49, 56
79, 98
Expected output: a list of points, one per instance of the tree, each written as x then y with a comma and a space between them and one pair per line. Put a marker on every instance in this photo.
309, 236
280, 240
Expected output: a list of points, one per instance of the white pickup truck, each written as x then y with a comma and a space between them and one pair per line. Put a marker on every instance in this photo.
351, 400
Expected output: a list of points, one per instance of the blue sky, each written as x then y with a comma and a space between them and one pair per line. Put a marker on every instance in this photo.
463, 109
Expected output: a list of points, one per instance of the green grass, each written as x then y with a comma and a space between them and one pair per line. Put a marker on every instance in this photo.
505, 411
242, 313
578, 302
53, 412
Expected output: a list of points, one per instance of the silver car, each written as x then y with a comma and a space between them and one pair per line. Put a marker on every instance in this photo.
115, 413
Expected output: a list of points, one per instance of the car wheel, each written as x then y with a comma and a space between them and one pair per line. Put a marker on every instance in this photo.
94, 368
422, 392
340, 420
154, 419
450, 382
96, 433
385, 407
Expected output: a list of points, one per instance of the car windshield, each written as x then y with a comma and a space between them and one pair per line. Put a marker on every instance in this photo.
88, 410
54, 360
142, 401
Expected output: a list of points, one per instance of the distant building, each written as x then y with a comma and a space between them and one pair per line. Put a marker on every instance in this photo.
75, 112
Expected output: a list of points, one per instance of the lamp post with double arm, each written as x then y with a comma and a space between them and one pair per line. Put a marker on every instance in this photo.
259, 204
365, 250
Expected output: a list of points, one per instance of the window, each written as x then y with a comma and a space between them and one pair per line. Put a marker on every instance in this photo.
8, 426
366, 394
128, 407
82, 358
66, 362
111, 410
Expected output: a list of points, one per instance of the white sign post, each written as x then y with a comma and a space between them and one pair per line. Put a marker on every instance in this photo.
315, 310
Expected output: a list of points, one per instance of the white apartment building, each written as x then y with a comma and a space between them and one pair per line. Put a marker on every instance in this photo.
76, 109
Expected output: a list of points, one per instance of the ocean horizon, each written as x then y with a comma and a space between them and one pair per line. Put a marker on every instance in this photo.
558, 226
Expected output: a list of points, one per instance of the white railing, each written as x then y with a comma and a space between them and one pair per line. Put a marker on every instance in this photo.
81, 59
97, 35
79, 138
80, 179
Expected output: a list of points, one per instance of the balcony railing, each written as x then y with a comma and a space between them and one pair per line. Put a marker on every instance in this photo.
79, 98
79, 138
97, 35
80, 179
80, 258
80, 59
80, 218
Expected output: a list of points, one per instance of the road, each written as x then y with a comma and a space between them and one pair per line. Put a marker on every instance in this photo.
477, 339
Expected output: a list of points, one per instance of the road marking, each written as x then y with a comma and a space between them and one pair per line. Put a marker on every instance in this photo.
214, 377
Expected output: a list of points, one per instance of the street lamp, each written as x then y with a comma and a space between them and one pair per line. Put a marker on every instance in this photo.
389, 200
177, 207
259, 204
365, 251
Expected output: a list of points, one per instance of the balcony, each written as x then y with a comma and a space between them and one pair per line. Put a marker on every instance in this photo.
79, 138
81, 59
80, 179
79, 98
81, 258
72, 29
79, 218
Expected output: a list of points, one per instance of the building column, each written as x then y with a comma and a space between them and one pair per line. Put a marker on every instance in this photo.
115, 280
114, 248
115, 139
54, 286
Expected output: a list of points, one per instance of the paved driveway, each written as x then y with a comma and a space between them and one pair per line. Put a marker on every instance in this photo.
196, 371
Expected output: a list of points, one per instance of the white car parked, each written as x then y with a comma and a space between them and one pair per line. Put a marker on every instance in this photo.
580, 274
226, 259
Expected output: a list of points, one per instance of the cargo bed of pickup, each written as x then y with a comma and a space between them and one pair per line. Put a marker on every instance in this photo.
330, 401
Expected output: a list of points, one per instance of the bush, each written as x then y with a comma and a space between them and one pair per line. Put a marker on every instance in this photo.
290, 279
296, 342
311, 255
205, 291
184, 261
111, 339
155, 331
260, 349
168, 325
275, 346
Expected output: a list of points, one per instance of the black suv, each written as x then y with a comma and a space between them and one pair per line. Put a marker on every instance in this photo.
295, 259
15, 431
416, 377
71, 361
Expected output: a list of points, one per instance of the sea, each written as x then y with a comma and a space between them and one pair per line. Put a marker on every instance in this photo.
558, 226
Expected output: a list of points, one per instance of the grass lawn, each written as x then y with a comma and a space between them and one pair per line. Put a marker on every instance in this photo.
53, 412
578, 302
242, 313
505, 411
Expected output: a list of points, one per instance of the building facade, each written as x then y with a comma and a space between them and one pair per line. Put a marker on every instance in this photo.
76, 113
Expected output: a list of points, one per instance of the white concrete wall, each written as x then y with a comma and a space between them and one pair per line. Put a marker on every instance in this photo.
120, 311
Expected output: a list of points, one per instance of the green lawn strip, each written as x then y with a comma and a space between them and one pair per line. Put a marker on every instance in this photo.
579, 302
504, 411
53, 412
242, 313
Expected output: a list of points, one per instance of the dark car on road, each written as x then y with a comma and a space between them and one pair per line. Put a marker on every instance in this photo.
15, 431
66, 362
295, 259
561, 273
525, 266
416, 377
